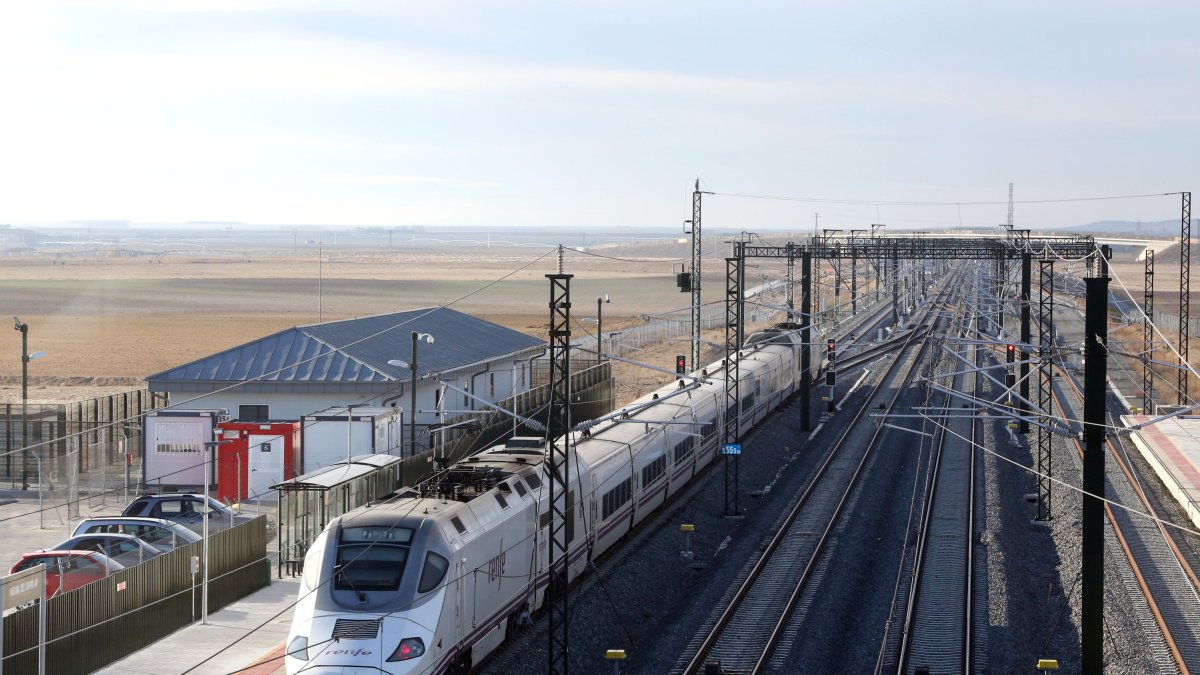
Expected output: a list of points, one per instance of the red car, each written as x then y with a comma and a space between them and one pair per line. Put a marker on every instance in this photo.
68, 570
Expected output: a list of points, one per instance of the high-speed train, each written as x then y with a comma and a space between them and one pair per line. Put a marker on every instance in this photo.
433, 579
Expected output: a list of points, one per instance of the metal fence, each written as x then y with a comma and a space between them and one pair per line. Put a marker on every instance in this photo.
91, 434
92, 626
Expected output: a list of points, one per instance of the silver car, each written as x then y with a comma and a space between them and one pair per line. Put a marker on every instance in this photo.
124, 548
161, 534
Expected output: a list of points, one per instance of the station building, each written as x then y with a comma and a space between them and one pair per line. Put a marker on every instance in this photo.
351, 362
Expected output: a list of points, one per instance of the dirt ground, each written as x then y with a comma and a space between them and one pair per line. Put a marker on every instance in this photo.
107, 323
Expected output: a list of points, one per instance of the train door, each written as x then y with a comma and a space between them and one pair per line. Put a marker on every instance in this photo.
460, 609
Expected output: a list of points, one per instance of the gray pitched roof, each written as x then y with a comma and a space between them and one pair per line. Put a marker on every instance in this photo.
357, 350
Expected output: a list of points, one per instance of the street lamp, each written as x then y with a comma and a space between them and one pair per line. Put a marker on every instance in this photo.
600, 302
412, 385
209, 447
26, 357
349, 426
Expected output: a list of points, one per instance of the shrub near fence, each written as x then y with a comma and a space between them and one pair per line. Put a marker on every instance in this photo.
90, 627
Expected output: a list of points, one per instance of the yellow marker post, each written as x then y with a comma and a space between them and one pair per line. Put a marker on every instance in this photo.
616, 656
687, 529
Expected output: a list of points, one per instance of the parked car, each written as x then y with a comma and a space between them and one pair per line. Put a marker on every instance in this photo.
68, 570
126, 549
185, 509
161, 534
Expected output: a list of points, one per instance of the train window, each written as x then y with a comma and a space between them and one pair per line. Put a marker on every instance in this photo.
501, 501
458, 525
520, 488
433, 572
312, 571
615, 498
683, 449
654, 470
534, 481
369, 567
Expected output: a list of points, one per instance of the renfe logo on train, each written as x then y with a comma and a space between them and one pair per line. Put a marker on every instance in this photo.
495, 568
350, 652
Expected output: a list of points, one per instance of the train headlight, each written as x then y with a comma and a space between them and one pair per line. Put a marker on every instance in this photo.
298, 647
409, 648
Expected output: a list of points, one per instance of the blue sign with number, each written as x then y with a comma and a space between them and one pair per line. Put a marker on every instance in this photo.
731, 449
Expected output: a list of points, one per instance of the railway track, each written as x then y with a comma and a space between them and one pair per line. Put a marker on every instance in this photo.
744, 634
1164, 574
938, 626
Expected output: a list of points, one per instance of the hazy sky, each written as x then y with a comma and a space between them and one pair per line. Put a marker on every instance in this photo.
590, 113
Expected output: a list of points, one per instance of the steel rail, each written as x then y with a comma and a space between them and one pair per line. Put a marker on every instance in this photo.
916, 603
1159, 618
698, 659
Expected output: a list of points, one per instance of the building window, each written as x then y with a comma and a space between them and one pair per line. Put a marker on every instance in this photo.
253, 413
491, 386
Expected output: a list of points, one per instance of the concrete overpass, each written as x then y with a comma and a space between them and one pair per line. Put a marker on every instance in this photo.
1137, 247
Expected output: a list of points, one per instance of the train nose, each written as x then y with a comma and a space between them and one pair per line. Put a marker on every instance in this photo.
344, 646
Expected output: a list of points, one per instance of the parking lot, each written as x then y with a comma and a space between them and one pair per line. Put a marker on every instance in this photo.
23, 529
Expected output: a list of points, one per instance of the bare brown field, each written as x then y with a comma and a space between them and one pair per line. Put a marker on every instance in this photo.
107, 323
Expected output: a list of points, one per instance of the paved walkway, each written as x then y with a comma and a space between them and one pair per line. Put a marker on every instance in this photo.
259, 623
188, 650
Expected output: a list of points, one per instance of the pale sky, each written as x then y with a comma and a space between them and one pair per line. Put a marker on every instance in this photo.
587, 114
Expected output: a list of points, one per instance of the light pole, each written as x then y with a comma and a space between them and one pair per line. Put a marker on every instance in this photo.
412, 387
209, 446
349, 427
26, 357
600, 302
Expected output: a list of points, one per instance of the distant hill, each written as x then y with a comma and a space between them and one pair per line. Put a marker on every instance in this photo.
1156, 228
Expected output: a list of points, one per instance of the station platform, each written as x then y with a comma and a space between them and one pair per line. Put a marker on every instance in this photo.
188, 650
1172, 447
246, 637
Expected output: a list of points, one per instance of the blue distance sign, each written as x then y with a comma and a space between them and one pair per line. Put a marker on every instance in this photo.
731, 449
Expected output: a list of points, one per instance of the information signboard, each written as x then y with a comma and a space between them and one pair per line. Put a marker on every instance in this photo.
23, 587
731, 449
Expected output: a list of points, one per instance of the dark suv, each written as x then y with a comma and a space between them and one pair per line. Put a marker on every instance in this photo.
186, 510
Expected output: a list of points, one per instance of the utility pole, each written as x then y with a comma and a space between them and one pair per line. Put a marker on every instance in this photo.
1185, 286
558, 470
1026, 336
697, 238
806, 335
1094, 374
1148, 336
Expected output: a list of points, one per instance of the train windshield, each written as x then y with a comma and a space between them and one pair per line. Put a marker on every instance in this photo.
371, 558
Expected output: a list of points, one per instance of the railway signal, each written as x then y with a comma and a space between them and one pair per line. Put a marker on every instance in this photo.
830, 373
1010, 378
680, 364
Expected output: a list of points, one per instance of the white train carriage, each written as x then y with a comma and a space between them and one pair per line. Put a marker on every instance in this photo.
432, 580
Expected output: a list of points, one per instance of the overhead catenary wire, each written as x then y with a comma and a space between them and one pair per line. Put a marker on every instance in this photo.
888, 202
